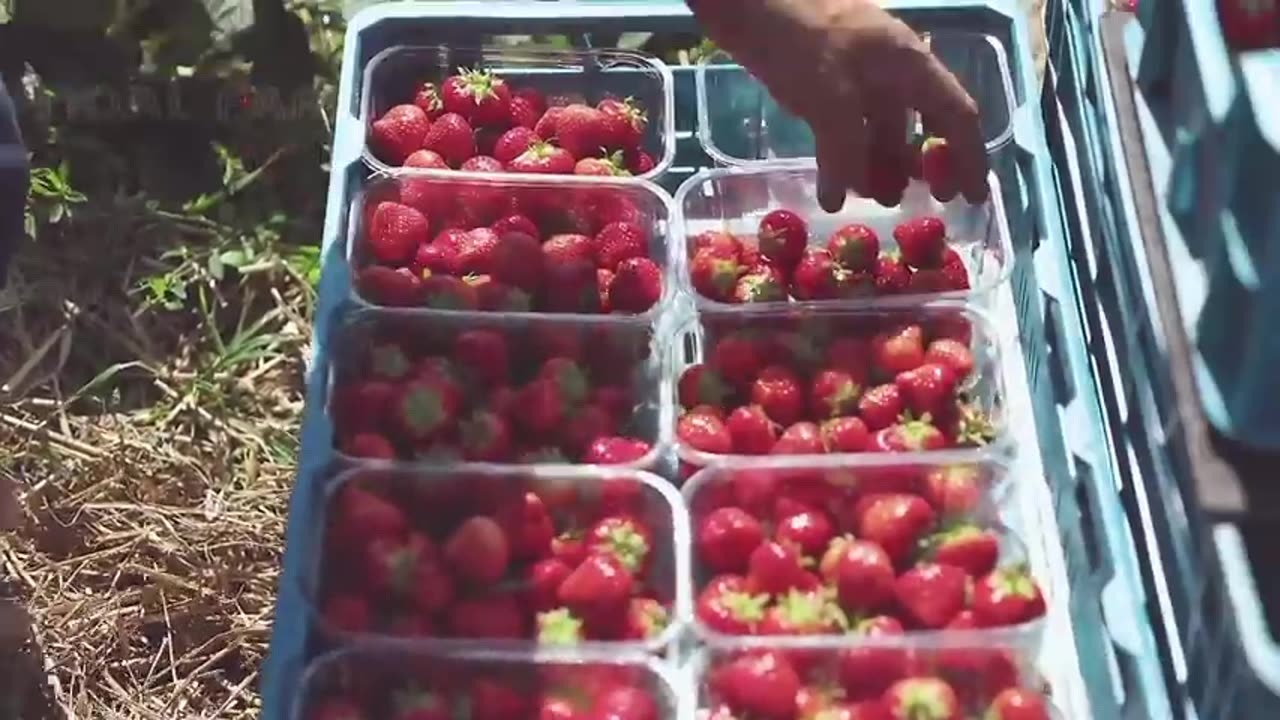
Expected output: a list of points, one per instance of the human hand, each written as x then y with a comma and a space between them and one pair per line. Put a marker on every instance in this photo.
852, 71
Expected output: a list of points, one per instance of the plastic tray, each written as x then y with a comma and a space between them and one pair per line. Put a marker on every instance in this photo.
545, 199
986, 389
714, 487
1204, 505
431, 498
740, 123
571, 75
734, 200
603, 348
1099, 654
376, 677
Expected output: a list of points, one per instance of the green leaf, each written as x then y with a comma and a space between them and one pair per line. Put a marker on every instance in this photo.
234, 258
229, 17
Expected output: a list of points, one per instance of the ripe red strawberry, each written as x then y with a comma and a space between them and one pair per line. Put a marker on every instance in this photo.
476, 251
637, 161
478, 550
391, 566
928, 389
1007, 596
516, 223
809, 531
751, 430
880, 406
931, 594
715, 239
477, 96
486, 438
896, 521
450, 244
953, 491
495, 699
585, 425
923, 698
636, 287
762, 283
426, 406
1250, 25
619, 241
514, 259
727, 606
817, 276
336, 708
801, 613
714, 273
610, 166
726, 538
966, 546
624, 123
646, 619
544, 159
418, 705
865, 673
482, 164
514, 143
704, 432
546, 125
739, 358
851, 355
951, 353
494, 296
777, 390
395, 231
566, 247
600, 587
571, 285
922, 241
898, 349
362, 406
862, 573
569, 378
833, 393
845, 435
369, 445
494, 617
912, 436
347, 613
936, 169
783, 237
802, 438
890, 275
616, 451
758, 683
541, 408
360, 515
700, 385
451, 136
581, 130
528, 525
543, 579
626, 538
427, 97
775, 568
855, 246
953, 276
448, 293
399, 132
426, 160
1018, 704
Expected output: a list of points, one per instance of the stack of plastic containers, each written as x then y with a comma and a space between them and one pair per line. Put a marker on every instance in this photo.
1172, 157
488, 568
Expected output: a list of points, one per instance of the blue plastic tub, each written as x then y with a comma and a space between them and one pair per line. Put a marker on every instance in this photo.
1102, 661
1188, 495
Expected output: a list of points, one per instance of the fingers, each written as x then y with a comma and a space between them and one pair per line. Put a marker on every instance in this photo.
887, 154
941, 98
842, 161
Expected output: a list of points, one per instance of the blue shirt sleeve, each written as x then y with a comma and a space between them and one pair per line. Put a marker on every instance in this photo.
13, 182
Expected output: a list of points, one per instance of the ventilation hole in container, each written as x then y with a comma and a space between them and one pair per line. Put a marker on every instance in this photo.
1084, 479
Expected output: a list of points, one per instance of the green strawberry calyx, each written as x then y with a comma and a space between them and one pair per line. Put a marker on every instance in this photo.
559, 627
1014, 581
627, 544
744, 607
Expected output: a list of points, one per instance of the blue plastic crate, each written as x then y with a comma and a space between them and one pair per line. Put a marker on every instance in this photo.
1212, 139
1220, 659
1117, 676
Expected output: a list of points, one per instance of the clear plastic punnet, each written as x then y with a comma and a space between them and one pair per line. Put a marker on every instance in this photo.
737, 348
409, 556
387, 682
863, 545
739, 122
560, 76
456, 214
432, 386
734, 201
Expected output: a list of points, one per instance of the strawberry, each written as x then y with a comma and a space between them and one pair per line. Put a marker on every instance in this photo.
726, 538
936, 168
543, 159
427, 406
585, 425
911, 436
498, 297
451, 136
494, 699
955, 490
751, 430
616, 451
759, 683
516, 260
427, 160
777, 390
569, 548
619, 241
865, 673
727, 606
427, 97
715, 239
369, 445
714, 273
541, 408
526, 520
636, 287
546, 125
966, 546
514, 143
559, 627
598, 590
802, 438
391, 566
762, 283
494, 617
399, 132
361, 406
851, 355
925, 281
880, 406
626, 538
566, 247
571, 285
637, 161
817, 276
476, 251
347, 613
610, 166
890, 275
922, 698
527, 107
478, 550
484, 355
482, 164
450, 244
335, 708
921, 241
931, 594
395, 231
1008, 596
517, 223
581, 130
704, 432
416, 705
448, 293
783, 237
1018, 704
543, 579
360, 515
700, 385
895, 521
862, 573
953, 276
833, 393
615, 400
646, 619
569, 378
800, 613
624, 123
855, 246
738, 358
898, 349
393, 288
844, 435
775, 568
486, 438
928, 389
809, 531
477, 96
